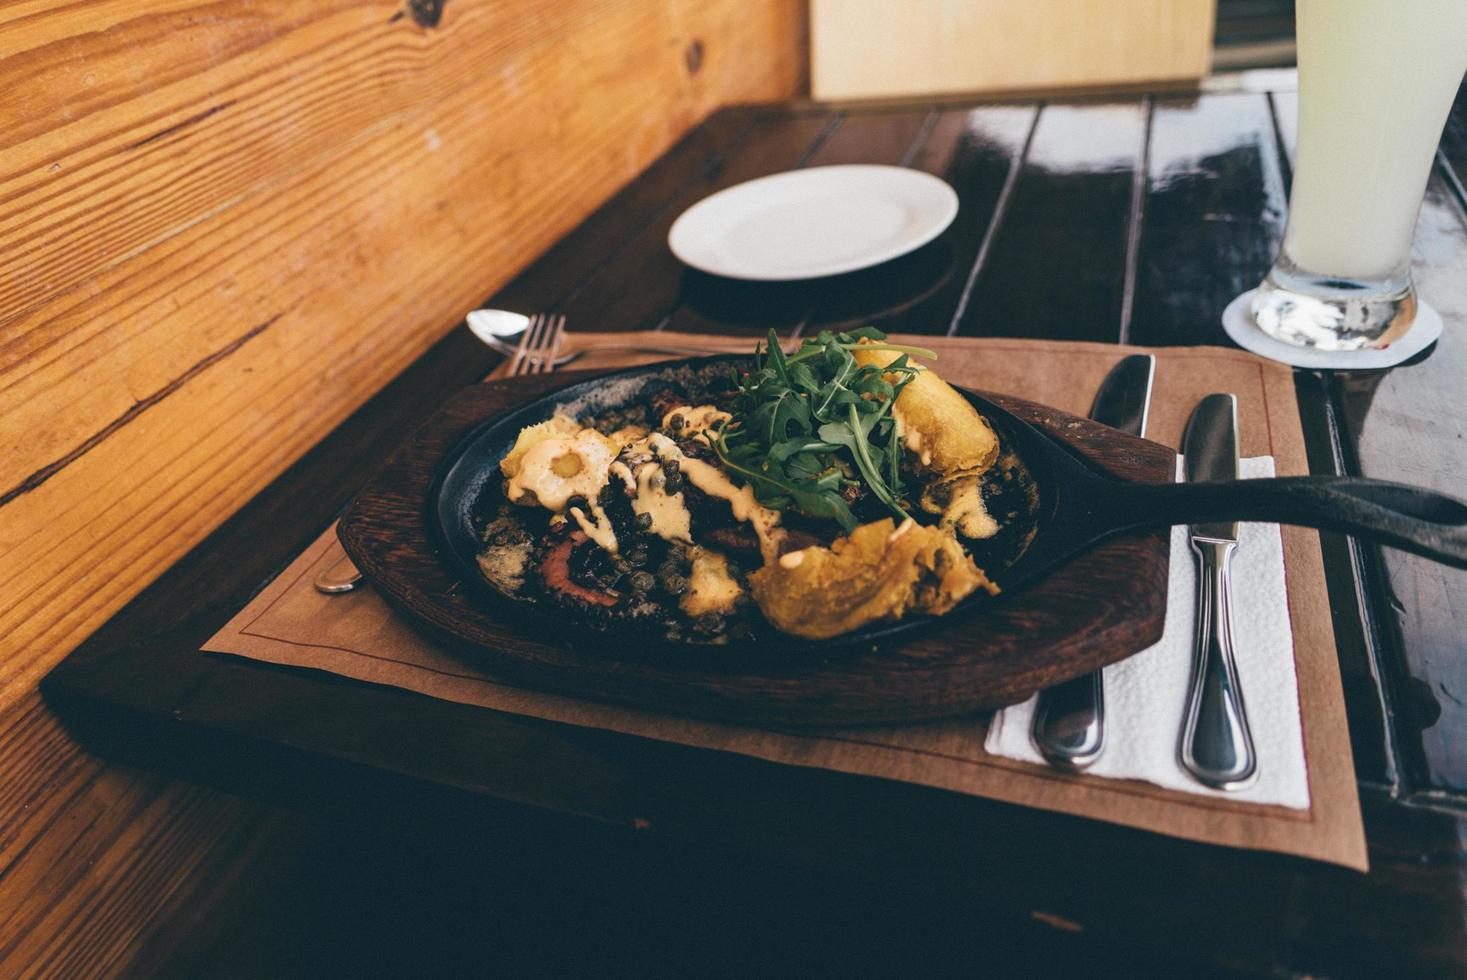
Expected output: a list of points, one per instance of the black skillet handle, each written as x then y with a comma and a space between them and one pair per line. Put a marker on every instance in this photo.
1410, 518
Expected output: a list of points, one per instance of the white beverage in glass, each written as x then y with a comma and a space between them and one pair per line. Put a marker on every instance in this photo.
1376, 81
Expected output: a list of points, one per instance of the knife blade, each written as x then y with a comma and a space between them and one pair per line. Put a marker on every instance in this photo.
1069, 719
1123, 400
1216, 743
1210, 451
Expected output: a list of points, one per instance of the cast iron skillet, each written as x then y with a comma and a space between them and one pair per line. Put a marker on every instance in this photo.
1063, 505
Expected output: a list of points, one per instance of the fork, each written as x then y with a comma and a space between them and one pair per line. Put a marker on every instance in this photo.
534, 355
536, 352
501, 328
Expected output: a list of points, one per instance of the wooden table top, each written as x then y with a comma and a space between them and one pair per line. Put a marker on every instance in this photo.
1134, 219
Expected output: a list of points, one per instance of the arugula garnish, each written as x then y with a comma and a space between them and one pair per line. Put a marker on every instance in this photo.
810, 424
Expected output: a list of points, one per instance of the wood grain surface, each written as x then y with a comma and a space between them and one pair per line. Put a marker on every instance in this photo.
1095, 610
223, 225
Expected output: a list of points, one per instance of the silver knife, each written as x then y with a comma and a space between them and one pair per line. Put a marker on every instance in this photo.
1069, 718
1216, 746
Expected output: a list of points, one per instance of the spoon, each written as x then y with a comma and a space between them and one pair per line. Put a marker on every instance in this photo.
501, 329
498, 328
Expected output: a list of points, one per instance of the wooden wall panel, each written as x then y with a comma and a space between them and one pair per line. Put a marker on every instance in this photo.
222, 226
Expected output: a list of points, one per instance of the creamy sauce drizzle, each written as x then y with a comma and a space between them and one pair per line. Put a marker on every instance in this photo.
597, 526
670, 518
558, 469
741, 501
792, 559
623, 472
696, 421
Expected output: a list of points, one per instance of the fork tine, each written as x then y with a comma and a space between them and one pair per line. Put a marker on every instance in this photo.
536, 353
559, 336
519, 351
520, 364
550, 342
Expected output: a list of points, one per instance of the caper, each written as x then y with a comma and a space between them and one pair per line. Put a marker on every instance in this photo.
709, 623
636, 557
671, 467
641, 582
677, 422
673, 485
644, 522
674, 584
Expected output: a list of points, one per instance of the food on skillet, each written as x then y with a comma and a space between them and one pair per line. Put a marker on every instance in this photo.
948, 440
879, 571
784, 498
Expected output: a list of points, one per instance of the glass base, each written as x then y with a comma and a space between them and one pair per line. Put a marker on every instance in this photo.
1330, 314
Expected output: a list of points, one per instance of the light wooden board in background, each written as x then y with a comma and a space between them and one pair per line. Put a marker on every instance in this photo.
876, 49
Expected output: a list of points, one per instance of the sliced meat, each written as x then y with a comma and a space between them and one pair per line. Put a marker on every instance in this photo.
708, 513
741, 540
796, 539
737, 538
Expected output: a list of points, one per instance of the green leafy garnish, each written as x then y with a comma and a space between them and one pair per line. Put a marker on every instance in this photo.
808, 425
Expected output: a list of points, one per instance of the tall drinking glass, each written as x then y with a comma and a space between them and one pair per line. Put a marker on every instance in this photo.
1376, 80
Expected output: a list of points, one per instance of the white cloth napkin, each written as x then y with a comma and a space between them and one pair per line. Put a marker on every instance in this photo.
1145, 694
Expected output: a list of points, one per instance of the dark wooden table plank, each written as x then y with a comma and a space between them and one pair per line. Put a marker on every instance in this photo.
418, 911
1213, 215
640, 282
979, 151
1056, 266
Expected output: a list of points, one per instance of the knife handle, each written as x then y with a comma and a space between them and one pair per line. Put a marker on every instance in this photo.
1069, 722
1216, 745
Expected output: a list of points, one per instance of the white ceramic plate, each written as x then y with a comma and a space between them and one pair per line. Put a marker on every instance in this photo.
820, 221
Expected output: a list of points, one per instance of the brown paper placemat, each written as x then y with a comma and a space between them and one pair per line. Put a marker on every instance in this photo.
355, 635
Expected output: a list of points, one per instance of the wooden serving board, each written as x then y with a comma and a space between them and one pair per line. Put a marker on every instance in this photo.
1100, 608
